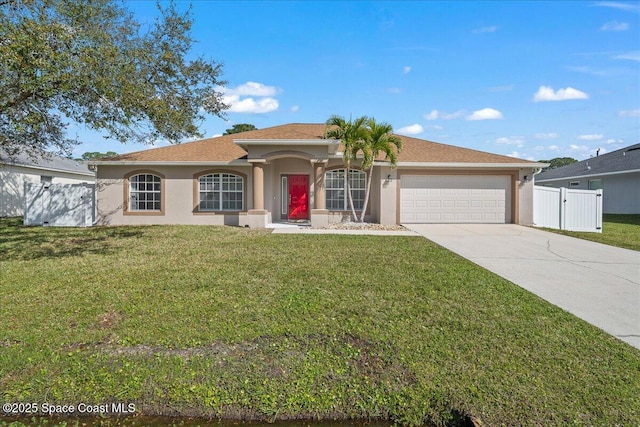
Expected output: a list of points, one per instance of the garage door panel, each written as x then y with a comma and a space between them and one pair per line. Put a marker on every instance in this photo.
455, 198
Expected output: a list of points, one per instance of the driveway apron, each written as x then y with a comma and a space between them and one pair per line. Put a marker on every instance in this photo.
596, 282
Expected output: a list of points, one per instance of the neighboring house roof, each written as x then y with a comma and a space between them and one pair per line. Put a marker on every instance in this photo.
51, 163
224, 149
620, 161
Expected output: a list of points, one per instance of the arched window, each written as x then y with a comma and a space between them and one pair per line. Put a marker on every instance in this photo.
221, 192
145, 192
336, 189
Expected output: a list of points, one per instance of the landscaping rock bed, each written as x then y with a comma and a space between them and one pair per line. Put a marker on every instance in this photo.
364, 226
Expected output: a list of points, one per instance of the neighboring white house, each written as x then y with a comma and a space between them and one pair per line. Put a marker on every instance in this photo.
616, 173
17, 169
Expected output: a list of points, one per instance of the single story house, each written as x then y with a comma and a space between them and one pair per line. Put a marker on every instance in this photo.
16, 170
292, 172
616, 173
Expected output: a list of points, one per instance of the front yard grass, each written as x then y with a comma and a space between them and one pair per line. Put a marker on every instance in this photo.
235, 323
622, 231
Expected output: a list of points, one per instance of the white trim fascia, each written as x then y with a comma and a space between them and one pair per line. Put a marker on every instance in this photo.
44, 168
593, 175
319, 142
459, 165
165, 163
341, 156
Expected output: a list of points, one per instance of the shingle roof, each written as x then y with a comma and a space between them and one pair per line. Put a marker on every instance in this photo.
50, 162
624, 159
223, 148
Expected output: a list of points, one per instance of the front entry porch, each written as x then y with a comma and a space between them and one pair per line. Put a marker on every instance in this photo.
288, 188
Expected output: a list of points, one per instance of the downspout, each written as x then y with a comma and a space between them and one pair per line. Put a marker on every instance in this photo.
94, 168
535, 172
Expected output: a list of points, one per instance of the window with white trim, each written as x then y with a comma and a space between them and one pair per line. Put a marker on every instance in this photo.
336, 189
221, 192
145, 192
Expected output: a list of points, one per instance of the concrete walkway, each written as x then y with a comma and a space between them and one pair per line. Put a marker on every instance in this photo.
596, 282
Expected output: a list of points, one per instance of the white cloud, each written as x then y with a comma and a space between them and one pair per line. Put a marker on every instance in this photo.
485, 114
629, 7
406, 69
550, 135
394, 90
441, 115
546, 93
295, 109
629, 113
574, 147
484, 30
632, 56
615, 26
589, 70
539, 148
433, 115
414, 129
518, 141
252, 89
250, 105
592, 137
251, 97
614, 141
553, 148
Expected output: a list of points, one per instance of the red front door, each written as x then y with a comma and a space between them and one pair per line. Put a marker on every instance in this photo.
298, 197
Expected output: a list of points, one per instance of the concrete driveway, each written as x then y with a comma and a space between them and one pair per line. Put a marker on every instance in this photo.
598, 283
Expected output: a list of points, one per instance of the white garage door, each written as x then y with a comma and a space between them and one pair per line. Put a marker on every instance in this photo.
455, 199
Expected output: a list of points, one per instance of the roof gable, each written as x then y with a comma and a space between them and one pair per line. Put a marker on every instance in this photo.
625, 159
224, 149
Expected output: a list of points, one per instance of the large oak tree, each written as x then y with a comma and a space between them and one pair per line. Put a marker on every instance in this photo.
92, 63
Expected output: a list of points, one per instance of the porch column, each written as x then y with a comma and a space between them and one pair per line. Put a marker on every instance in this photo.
320, 195
319, 213
258, 186
258, 217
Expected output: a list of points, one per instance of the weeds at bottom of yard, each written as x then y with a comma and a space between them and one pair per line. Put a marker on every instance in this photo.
266, 379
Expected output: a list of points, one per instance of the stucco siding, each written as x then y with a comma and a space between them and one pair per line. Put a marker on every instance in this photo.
388, 195
180, 198
524, 197
12, 179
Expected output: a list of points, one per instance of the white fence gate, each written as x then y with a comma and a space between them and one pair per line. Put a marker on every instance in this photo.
567, 209
59, 205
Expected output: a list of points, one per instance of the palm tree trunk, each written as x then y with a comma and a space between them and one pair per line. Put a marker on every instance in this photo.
353, 209
366, 194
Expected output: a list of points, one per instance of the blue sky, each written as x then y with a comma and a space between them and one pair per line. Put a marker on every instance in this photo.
533, 80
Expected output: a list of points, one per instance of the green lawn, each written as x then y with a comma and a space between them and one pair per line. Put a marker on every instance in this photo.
236, 323
622, 231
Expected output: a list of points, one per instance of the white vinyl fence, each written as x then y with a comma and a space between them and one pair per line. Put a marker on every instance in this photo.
59, 205
567, 209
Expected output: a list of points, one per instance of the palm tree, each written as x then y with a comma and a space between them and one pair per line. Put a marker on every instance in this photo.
379, 139
353, 134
